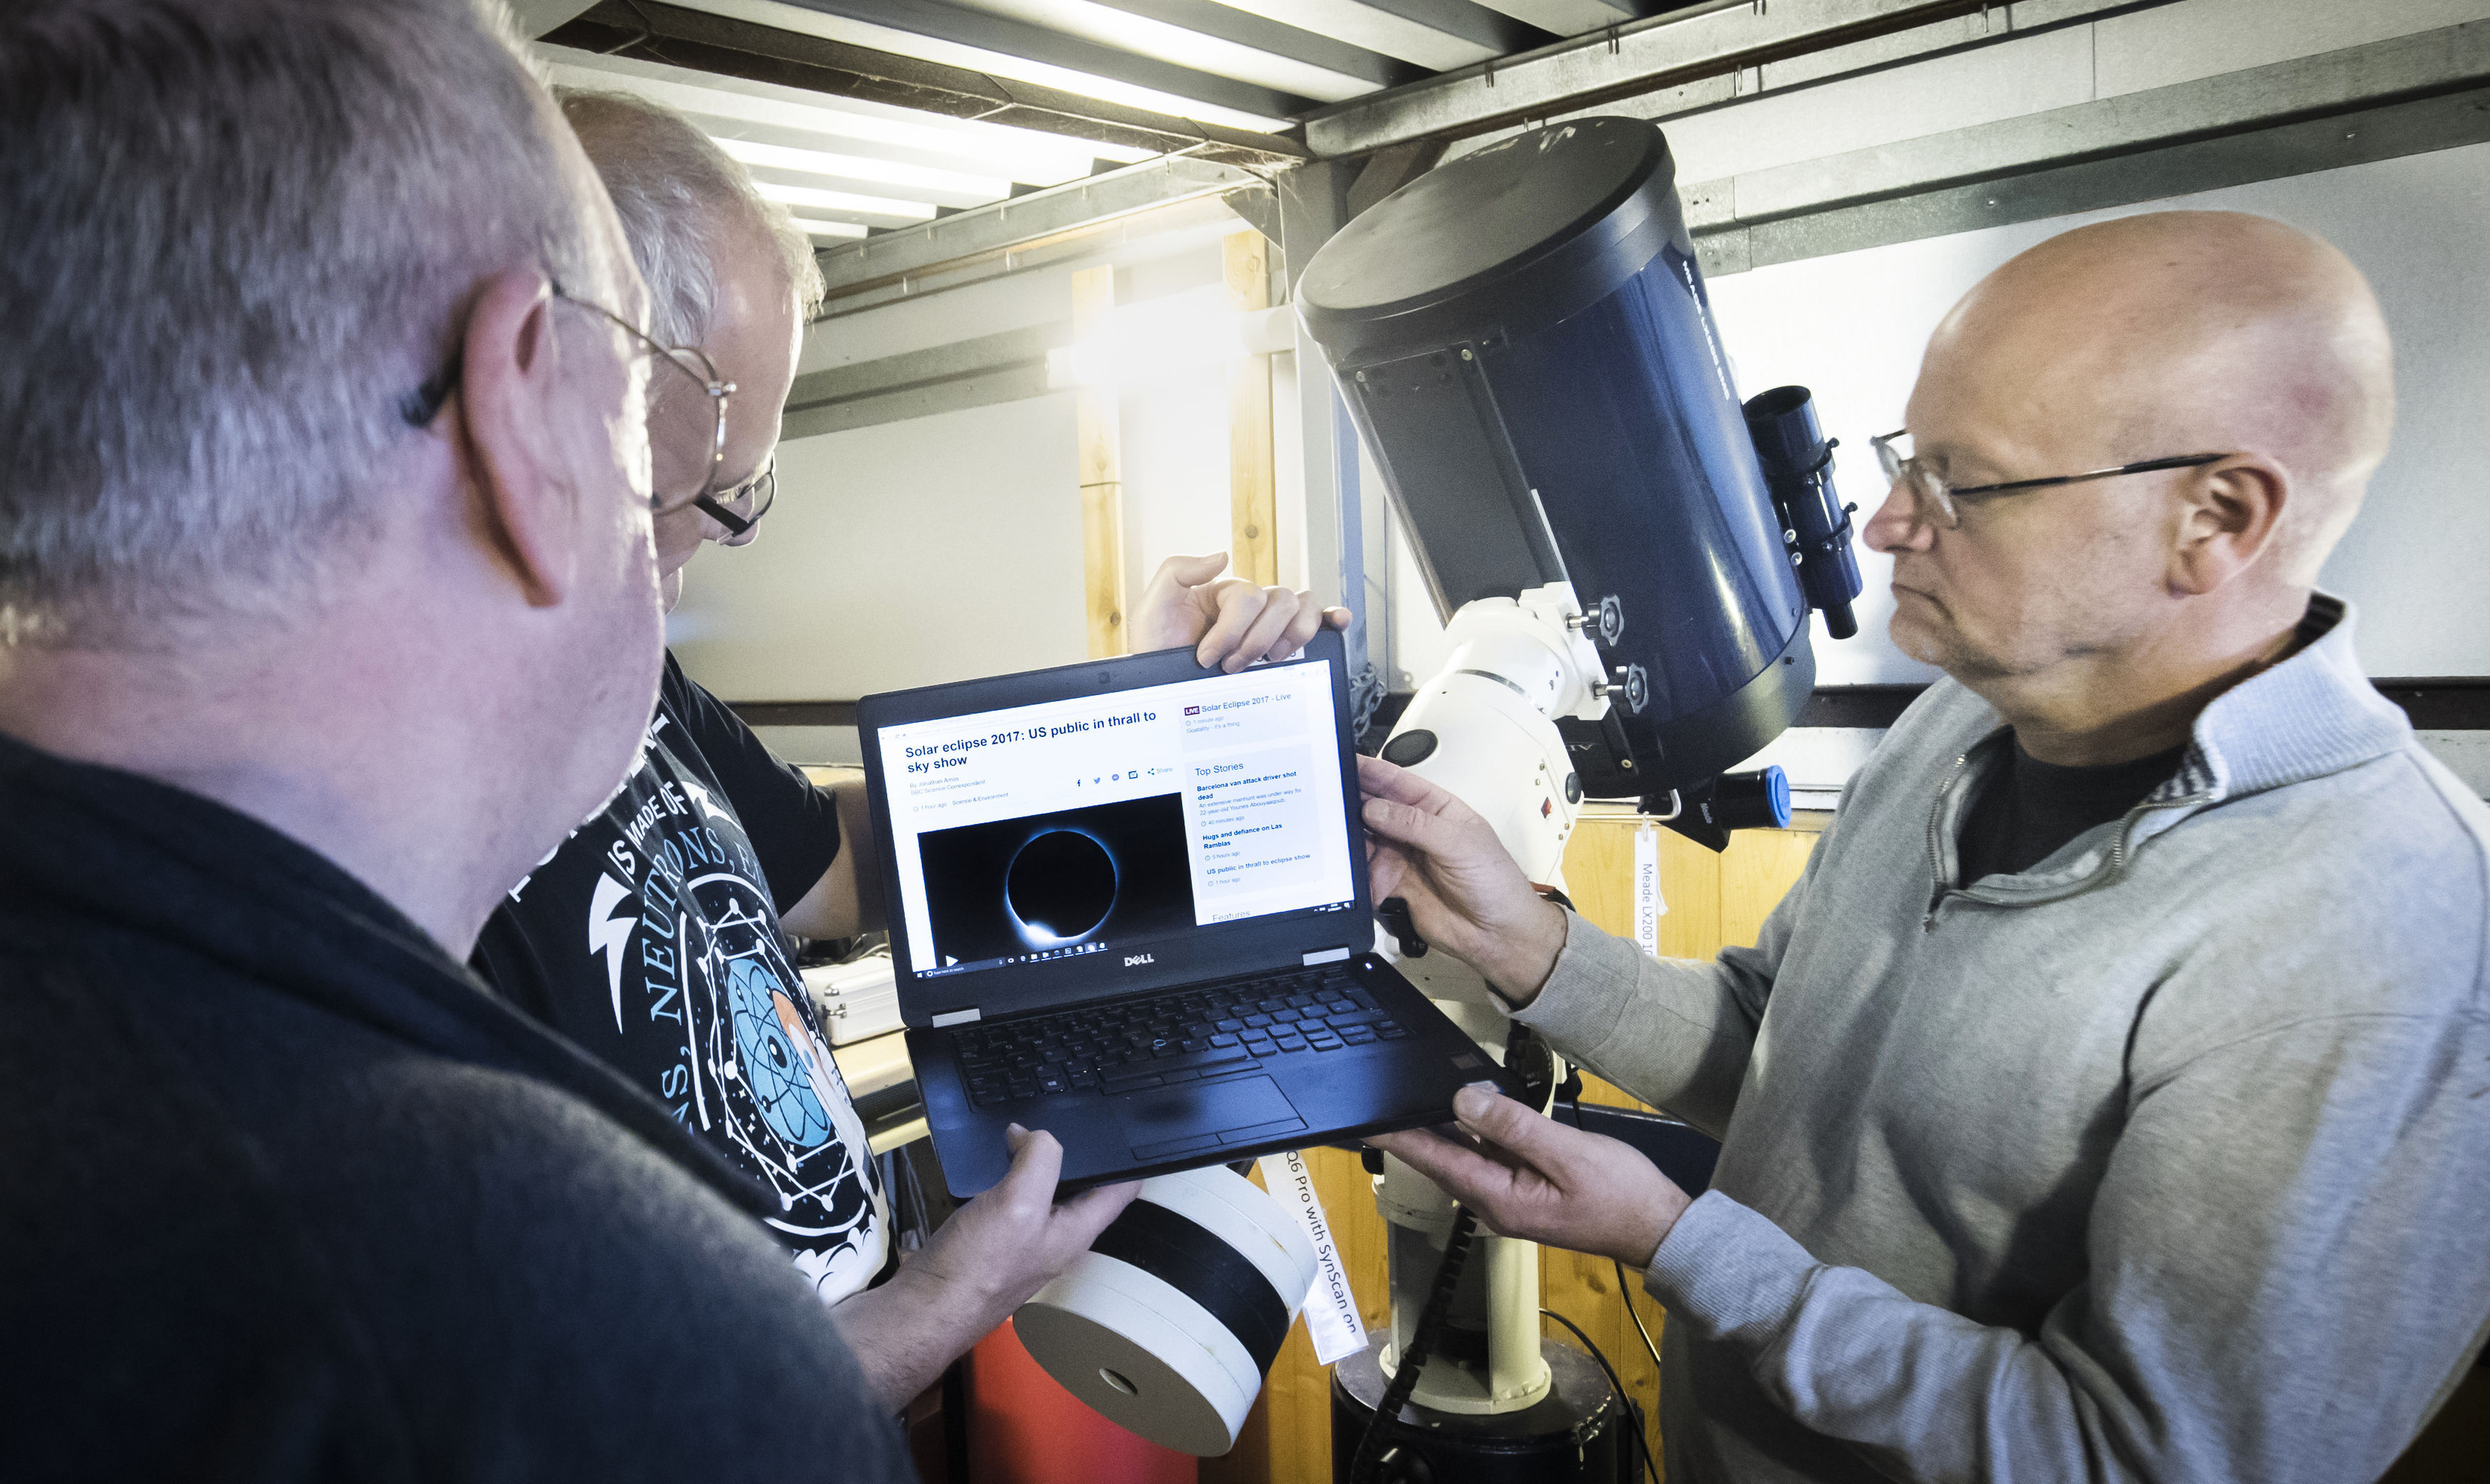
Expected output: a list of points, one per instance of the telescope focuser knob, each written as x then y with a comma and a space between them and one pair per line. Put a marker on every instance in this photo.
1393, 913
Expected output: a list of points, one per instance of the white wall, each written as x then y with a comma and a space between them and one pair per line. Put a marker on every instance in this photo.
899, 555
1852, 327
911, 553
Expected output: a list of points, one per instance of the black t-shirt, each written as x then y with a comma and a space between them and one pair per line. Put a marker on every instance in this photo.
652, 938
286, 1195
2027, 808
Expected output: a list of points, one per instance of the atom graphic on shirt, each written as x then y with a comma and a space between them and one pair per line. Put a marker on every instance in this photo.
780, 1098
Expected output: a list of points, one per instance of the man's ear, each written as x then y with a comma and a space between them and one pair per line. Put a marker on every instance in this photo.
2229, 512
522, 495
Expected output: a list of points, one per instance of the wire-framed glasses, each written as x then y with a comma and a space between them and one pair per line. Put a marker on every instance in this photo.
1937, 500
738, 510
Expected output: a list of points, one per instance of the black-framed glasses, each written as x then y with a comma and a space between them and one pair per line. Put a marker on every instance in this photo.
1937, 498
741, 508
424, 403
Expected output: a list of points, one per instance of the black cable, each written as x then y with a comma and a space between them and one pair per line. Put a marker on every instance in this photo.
1624, 1290
1625, 1404
1422, 1343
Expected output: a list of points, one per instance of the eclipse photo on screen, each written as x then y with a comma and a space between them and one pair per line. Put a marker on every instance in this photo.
1044, 882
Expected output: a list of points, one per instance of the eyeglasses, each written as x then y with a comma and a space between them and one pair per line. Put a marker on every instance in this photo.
738, 511
1938, 498
741, 508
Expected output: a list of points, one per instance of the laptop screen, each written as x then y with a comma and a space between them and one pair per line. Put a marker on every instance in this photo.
1103, 824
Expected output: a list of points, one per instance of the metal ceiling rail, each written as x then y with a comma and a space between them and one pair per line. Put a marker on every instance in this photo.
1005, 37
1437, 35
686, 37
1024, 222
2406, 95
1640, 57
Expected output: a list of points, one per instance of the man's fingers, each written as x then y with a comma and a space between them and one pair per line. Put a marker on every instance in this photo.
1402, 825
1472, 1178
1304, 623
1337, 618
1387, 780
1236, 606
1385, 869
1539, 1141
1279, 607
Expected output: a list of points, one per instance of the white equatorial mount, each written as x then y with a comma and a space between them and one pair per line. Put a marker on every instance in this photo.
1484, 729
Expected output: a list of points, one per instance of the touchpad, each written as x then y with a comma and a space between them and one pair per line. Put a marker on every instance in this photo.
1175, 1121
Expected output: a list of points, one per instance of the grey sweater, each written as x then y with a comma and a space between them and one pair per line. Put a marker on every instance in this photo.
2168, 1159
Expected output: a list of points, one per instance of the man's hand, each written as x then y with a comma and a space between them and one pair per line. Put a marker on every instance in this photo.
1230, 623
1465, 894
981, 1266
1533, 1177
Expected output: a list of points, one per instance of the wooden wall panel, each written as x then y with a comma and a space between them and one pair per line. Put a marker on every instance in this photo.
1097, 425
1713, 900
1253, 500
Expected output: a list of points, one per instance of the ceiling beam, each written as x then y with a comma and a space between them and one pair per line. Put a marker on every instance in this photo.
1003, 39
1022, 224
679, 35
1640, 57
1245, 28
2407, 95
1437, 35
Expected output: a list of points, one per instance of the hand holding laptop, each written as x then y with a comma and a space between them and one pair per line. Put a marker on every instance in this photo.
977, 1268
1230, 624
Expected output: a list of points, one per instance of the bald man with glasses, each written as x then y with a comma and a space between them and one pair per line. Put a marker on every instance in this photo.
2106, 1100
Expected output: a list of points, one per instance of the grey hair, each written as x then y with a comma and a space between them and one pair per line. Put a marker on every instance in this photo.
240, 232
679, 195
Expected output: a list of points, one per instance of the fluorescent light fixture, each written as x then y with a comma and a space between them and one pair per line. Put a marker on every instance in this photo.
845, 201
889, 172
908, 44
817, 229
1025, 154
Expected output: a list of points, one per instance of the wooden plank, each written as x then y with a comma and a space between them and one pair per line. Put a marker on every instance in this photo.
1757, 872
1252, 501
1102, 476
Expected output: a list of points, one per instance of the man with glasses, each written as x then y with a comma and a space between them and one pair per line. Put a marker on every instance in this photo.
2106, 1100
327, 605
655, 936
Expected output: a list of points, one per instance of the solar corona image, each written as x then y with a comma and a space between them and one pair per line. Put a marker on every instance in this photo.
1042, 881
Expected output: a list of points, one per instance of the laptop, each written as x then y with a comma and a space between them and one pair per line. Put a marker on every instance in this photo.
1128, 906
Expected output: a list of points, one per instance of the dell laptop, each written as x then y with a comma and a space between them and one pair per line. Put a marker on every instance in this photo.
1128, 906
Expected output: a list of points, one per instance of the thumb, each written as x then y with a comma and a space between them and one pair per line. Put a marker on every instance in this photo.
1498, 1119
1038, 1161
1092, 1211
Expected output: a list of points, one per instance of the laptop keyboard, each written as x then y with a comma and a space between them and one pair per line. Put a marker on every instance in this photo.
1130, 1044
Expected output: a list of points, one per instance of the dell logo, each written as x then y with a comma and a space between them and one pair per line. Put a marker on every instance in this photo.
1136, 960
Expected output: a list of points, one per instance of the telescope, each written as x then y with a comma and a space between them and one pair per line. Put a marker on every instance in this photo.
1624, 555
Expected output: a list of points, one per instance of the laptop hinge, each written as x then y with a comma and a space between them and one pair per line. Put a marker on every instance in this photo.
956, 1017
1327, 956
